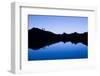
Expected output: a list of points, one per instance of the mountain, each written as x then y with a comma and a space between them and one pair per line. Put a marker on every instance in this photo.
38, 38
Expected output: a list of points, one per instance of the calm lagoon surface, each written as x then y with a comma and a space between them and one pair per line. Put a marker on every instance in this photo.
59, 50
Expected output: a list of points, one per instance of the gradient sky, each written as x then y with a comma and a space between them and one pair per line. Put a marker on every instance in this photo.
59, 24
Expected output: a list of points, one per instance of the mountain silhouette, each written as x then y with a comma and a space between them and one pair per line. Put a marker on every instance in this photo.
39, 38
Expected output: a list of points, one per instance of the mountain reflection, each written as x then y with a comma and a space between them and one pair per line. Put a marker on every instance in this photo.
39, 38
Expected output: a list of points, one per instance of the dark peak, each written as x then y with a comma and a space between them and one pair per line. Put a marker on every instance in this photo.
64, 33
75, 33
34, 28
85, 33
41, 31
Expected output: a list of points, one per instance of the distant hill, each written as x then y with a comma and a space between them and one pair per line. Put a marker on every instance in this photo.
38, 38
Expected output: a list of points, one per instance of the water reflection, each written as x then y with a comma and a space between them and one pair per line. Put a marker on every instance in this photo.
38, 44
59, 50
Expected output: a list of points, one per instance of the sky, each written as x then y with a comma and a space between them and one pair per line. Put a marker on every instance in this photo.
59, 24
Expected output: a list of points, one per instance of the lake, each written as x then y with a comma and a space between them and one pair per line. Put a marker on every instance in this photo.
59, 50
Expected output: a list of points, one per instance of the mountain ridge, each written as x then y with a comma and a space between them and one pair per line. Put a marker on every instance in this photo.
39, 38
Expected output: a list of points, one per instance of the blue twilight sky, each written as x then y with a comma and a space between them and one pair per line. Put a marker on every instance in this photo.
59, 24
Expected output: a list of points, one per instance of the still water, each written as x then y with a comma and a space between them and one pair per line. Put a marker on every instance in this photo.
59, 50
